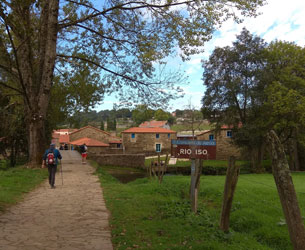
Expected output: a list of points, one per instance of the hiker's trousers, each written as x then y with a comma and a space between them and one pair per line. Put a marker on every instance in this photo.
52, 171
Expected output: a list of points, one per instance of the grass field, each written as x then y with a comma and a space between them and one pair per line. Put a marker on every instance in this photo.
14, 182
187, 127
147, 215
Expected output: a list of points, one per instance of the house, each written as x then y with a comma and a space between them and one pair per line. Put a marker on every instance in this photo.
188, 135
107, 143
94, 133
64, 140
155, 124
147, 140
94, 146
60, 137
98, 140
224, 146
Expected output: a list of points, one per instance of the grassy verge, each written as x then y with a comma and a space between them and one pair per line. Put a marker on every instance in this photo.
14, 182
214, 167
146, 215
210, 167
187, 163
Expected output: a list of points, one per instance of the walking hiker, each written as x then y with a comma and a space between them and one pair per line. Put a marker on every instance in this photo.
50, 159
83, 150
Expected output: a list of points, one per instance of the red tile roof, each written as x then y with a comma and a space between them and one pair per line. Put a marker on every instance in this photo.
153, 124
149, 130
115, 140
91, 128
64, 139
89, 142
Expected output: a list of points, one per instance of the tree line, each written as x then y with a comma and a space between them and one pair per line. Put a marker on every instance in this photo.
134, 117
254, 86
62, 56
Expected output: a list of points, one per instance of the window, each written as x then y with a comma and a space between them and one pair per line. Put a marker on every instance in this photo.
229, 133
168, 135
133, 135
157, 136
158, 147
211, 137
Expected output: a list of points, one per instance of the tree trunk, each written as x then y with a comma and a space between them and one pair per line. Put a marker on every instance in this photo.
36, 141
257, 154
286, 192
36, 76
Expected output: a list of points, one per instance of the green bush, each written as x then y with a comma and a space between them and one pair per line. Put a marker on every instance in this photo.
214, 170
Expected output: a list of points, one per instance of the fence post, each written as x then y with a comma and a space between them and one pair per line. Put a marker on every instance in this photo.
229, 189
196, 169
286, 192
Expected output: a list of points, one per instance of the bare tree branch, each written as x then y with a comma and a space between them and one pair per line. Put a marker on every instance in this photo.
17, 64
96, 13
106, 37
107, 70
10, 87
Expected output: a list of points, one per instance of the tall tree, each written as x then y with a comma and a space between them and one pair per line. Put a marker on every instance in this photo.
117, 41
286, 96
235, 91
141, 114
194, 118
161, 115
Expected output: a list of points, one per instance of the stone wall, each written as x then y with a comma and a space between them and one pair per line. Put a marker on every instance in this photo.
146, 143
104, 150
92, 133
120, 160
224, 147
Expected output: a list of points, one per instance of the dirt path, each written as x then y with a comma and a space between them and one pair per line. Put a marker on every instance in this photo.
71, 217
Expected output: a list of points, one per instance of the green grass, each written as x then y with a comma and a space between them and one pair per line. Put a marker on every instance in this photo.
14, 182
146, 215
187, 127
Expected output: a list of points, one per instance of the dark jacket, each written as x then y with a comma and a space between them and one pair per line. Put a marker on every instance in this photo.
56, 153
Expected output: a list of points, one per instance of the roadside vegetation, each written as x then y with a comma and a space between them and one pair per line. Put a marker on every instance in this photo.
147, 215
212, 167
15, 182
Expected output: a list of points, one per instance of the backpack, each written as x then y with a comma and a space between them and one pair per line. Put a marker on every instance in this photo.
50, 158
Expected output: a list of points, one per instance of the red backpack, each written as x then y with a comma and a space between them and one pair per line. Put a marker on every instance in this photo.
50, 158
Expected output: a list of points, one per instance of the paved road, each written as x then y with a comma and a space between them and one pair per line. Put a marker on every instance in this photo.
71, 217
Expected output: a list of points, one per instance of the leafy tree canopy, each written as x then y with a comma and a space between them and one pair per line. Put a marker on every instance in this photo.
141, 114
286, 89
97, 47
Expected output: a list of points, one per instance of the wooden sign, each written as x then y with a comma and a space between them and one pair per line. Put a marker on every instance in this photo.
194, 149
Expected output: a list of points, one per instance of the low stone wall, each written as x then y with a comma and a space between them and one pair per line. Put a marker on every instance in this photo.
120, 160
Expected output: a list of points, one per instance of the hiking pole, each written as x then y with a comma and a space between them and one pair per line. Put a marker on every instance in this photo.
62, 178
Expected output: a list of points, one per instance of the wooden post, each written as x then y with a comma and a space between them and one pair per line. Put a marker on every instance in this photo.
286, 192
196, 169
229, 189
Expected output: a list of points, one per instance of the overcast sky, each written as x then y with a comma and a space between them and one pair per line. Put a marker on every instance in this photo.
279, 19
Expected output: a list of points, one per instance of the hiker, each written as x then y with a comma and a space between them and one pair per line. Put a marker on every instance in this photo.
50, 159
83, 150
